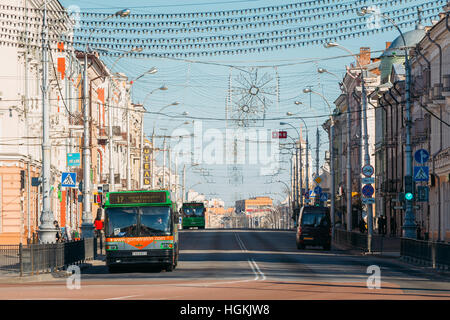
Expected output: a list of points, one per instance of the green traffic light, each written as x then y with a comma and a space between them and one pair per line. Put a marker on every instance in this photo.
409, 196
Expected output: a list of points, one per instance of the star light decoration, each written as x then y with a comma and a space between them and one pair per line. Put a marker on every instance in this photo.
252, 96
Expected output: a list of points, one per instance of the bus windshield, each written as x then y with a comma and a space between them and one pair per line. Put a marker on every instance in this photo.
154, 221
194, 211
121, 222
137, 221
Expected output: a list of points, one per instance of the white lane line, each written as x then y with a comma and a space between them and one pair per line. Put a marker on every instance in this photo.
253, 269
240, 242
259, 270
251, 262
120, 298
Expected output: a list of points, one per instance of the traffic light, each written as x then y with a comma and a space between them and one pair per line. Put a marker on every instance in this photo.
409, 188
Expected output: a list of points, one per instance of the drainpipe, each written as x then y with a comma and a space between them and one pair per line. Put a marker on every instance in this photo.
440, 132
380, 101
428, 64
391, 135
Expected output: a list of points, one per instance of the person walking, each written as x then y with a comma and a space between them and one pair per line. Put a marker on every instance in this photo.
58, 231
393, 226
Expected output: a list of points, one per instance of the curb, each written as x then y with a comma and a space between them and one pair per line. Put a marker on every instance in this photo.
424, 266
43, 277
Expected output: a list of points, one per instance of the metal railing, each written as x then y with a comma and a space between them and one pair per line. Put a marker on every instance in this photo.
359, 241
9, 258
36, 258
433, 253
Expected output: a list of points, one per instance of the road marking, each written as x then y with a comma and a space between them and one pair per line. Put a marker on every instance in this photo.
253, 269
120, 298
259, 270
251, 262
240, 242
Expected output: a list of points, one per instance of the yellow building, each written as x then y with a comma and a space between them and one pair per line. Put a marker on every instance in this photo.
253, 204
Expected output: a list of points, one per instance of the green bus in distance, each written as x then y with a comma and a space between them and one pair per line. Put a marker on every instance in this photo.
193, 215
141, 228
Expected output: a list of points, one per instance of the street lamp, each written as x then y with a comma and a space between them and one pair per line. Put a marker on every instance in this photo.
349, 150
87, 228
110, 117
309, 90
365, 138
307, 155
409, 226
141, 177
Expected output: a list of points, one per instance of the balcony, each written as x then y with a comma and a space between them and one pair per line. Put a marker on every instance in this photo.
102, 138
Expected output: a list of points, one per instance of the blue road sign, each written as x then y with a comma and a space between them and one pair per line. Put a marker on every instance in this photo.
69, 179
73, 159
324, 197
421, 173
423, 193
368, 190
421, 156
317, 190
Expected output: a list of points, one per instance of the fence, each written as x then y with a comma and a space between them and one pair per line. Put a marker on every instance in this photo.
36, 258
359, 241
9, 258
436, 254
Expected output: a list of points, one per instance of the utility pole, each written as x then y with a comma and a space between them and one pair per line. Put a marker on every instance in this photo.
170, 169
366, 162
87, 227
164, 163
184, 183
47, 231
152, 162
128, 147
141, 162
110, 137
317, 151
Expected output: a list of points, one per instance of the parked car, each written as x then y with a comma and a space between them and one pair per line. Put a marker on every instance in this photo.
314, 227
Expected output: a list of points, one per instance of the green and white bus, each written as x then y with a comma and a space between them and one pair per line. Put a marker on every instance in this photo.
141, 229
193, 215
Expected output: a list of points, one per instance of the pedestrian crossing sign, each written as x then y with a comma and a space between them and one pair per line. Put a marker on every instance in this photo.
69, 179
421, 173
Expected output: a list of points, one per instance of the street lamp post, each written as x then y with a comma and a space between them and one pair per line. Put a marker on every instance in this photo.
141, 178
47, 231
306, 155
87, 227
349, 150
365, 138
409, 226
153, 70
110, 119
333, 192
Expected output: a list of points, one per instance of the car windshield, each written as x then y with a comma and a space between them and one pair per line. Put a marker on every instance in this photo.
314, 218
154, 221
121, 222
194, 211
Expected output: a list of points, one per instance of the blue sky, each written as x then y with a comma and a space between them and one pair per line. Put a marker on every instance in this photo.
201, 87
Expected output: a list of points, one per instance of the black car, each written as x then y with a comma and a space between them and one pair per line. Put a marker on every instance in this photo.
314, 227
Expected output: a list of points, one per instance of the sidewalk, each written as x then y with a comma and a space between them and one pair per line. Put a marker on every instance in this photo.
396, 258
60, 275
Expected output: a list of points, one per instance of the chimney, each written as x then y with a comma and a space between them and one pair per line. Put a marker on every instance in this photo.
364, 56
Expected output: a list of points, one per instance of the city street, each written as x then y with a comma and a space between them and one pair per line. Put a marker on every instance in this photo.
246, 265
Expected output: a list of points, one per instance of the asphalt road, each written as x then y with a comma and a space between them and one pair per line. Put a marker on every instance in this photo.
249, 265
